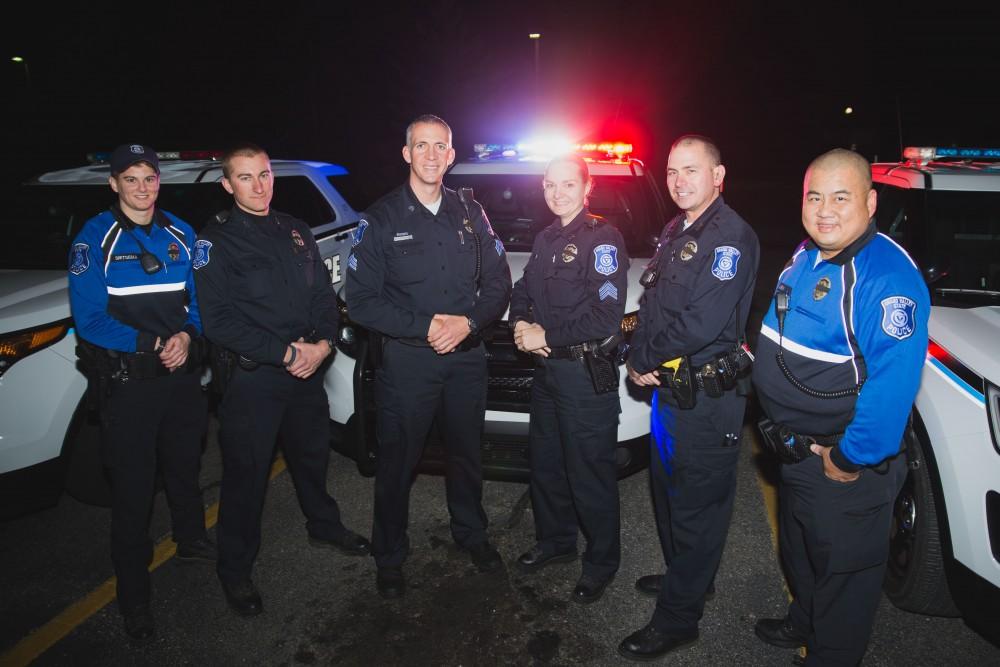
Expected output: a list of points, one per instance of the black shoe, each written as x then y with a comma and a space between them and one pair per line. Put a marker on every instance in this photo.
243, 598
649, 644
589, 589
139, 624
390, 582
650, 585
485, 557
197, 551
779, 632
537, 558
347, 543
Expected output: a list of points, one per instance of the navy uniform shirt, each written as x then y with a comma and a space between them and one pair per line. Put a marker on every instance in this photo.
701, 301
859, 316
118, 306
408, 264
263, 285
575, 282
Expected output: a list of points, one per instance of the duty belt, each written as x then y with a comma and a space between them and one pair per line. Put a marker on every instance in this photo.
575, 352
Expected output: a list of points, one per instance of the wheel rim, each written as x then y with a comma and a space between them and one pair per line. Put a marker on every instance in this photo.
905, 524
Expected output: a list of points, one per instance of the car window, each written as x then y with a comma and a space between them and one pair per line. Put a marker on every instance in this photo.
299, 197
517, 210
965, 234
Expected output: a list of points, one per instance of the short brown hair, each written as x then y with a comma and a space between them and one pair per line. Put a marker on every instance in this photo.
429, 119
714, 154
245, 149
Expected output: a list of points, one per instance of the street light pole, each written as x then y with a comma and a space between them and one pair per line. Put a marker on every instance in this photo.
27, 76
536, 37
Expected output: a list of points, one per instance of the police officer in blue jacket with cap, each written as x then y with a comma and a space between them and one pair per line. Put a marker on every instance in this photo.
136, 314
689, 346
567, 309
838, 366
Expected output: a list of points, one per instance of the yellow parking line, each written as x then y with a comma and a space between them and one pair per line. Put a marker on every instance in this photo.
770, 494
45, 637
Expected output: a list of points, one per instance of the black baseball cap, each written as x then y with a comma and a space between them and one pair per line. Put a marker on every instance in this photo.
126, 155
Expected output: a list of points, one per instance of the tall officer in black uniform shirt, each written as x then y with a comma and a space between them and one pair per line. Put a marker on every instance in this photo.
571, 298
266, 298
428, 274
133, 298
707, 266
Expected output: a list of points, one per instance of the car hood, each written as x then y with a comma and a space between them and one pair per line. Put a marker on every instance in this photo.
32, 298
970, 335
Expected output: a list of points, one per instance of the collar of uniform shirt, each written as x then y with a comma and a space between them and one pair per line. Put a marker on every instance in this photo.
574, 226
848, 253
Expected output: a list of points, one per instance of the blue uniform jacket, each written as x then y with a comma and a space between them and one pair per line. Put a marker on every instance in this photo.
861, 314
408, 264
118, 306
701, 301
575, 282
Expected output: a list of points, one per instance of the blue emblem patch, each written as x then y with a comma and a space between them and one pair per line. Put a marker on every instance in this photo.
499, 247
359, 232
201, 250
606, 259
353, 262
79, 258
726, 259
608, 291
898, 316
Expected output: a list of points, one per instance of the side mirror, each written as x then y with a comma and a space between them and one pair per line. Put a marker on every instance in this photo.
932, 274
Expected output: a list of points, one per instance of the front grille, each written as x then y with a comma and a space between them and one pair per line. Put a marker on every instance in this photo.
510, 372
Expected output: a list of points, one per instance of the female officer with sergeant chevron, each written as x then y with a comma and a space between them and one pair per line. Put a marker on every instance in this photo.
572, 297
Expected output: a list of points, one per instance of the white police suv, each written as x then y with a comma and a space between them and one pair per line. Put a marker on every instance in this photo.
943, 206
48, 439
507, 180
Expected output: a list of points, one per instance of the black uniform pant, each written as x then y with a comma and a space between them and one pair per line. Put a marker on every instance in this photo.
693, 478
414, 385
149, 421
574, 485
259, 407
835, 544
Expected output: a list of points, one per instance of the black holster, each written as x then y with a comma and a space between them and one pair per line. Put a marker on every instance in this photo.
682, 384
602, 366
790, 447
223, 363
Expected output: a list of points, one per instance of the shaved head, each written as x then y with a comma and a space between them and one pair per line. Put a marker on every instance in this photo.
843, 158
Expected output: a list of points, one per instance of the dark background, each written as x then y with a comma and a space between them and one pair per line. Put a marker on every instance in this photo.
338, 81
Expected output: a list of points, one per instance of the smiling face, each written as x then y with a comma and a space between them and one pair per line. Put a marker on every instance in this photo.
429, 154
693, 178
137, 188
565, 189
837, 205
250, 182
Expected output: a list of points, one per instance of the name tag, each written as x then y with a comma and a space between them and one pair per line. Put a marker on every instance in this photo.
403, 236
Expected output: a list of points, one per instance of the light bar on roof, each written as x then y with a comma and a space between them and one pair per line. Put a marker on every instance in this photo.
927, 153
103, 157
545, 149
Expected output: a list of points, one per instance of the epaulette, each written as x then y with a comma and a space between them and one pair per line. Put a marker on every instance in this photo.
220, 218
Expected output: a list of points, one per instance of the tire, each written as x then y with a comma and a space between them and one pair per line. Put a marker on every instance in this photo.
86, 479
915, 578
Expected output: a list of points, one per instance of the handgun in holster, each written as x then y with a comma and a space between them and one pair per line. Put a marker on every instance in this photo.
680, 378
601, 364
788, 446
223, 363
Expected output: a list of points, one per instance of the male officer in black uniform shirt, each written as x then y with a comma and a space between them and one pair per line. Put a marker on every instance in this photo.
696, 311
428, 274
267, 300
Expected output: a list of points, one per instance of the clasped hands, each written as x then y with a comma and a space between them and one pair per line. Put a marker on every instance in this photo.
531, 338
307, 357
174, 352
447, 332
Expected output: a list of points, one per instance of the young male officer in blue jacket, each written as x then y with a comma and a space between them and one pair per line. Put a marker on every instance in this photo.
838, 365
136, 315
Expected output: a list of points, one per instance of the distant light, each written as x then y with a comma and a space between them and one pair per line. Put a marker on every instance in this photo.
849, 110
17, 59
534, 35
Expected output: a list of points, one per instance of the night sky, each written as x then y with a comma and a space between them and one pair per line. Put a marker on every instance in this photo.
338, 81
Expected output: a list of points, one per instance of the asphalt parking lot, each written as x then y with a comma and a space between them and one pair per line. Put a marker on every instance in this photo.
321, 608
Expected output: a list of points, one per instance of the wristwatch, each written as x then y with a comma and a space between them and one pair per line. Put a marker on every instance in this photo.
473, 327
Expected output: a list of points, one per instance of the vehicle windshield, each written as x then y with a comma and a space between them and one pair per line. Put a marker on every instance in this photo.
517, 210
965, 245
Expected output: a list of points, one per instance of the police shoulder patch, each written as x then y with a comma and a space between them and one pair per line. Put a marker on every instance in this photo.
898, 316
79, 258
724, 266
359, 233
202, 248
605, 259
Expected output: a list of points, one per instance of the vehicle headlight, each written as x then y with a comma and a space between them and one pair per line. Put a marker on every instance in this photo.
993, 410
19, 344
